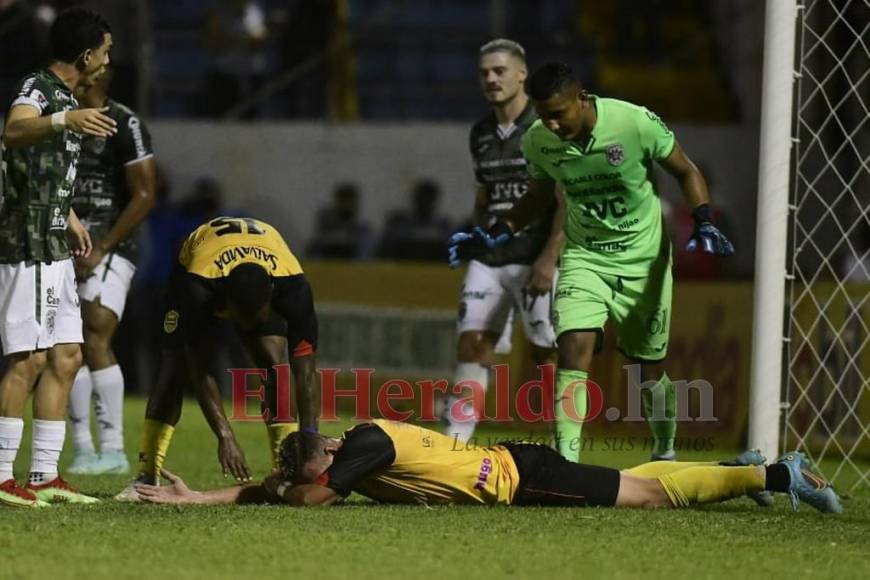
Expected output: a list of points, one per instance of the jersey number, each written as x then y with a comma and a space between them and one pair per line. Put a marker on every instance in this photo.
223, 226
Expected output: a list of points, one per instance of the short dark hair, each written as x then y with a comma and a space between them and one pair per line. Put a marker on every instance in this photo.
248, 287
549, 79
75, 31
507, 45
296, 450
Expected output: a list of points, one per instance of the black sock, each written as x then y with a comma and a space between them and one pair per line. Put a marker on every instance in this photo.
778, 477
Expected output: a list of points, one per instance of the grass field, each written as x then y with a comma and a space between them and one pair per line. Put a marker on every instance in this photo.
361, 540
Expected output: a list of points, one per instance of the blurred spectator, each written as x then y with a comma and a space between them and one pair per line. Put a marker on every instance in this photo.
639, 30
22, 45
339, 232
304, 42
205, 202
236, 36
420, 234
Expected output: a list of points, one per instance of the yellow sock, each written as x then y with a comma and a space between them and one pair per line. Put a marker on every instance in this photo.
277, 433
705, 484
655, 469
155, 443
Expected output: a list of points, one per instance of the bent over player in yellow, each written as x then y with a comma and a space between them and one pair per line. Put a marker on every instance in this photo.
239, 269
394, 462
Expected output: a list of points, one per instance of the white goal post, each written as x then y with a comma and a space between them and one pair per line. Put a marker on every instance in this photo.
811, 327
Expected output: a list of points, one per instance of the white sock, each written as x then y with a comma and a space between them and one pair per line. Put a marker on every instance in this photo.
48, 439
463, 430
109, 401
11, 431
80, 411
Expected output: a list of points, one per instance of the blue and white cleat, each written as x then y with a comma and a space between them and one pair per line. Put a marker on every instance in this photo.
753, 457
114, 462
809, 487
83, 463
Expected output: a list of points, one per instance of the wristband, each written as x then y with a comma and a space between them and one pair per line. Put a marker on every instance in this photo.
282, 487
309, 430
701, 214
58, 121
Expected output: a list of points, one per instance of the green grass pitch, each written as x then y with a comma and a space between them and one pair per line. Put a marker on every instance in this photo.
360, 540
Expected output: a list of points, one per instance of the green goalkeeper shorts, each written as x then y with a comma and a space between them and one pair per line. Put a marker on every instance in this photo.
639, 307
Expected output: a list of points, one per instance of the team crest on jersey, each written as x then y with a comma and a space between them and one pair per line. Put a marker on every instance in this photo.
98, 145
170, 322
615, 154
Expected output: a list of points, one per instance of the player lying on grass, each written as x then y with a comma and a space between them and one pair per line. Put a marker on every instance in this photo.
394, 462
239, 269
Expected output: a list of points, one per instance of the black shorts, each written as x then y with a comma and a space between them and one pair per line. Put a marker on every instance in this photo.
548, 479
191, 303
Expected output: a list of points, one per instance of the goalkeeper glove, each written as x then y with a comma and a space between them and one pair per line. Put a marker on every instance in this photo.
708, 236
465, 246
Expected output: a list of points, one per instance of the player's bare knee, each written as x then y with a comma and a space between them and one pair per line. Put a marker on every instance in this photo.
27, 365
476, 347
65, 360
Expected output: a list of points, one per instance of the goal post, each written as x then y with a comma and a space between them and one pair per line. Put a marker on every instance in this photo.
812, 277
774, 174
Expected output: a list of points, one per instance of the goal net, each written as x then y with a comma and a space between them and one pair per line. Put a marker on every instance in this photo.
827, 408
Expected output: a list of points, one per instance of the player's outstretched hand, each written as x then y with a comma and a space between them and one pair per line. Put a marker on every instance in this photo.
232, 460
710, 240
91, 122
465, 246
176, 492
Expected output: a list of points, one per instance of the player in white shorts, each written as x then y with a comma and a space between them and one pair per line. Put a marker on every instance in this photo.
115, 192
515, 279
40, 324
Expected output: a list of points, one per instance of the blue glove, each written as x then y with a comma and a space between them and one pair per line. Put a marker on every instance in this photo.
708, 236
465, 246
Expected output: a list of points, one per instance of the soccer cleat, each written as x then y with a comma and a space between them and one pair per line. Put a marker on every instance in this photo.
13, 495
114, 462
129, 493
667, 456
809, 487
752, 457
83, 463
59, 491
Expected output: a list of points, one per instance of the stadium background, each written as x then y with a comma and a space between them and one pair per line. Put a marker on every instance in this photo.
380, 94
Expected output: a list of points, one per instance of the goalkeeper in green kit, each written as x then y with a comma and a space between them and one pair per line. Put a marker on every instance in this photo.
616, 262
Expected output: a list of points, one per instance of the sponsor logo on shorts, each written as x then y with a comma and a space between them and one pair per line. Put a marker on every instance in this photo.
615, 154
170, 322
554, 318
475, 294
463, 310
566, 291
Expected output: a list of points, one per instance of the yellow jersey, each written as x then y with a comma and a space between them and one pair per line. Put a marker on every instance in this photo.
403, 463
216, 247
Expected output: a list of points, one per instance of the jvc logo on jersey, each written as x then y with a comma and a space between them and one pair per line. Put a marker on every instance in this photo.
231, 255
90, 186
508, 191
614, 207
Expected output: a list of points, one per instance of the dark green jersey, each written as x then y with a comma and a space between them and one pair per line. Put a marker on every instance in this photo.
101, 185
500, 169
38, 180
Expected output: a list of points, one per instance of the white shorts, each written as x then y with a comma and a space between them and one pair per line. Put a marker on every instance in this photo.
492, 295
39, 306
110, 282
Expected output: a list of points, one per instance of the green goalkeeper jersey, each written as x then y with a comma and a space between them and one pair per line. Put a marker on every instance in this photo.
614, 218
